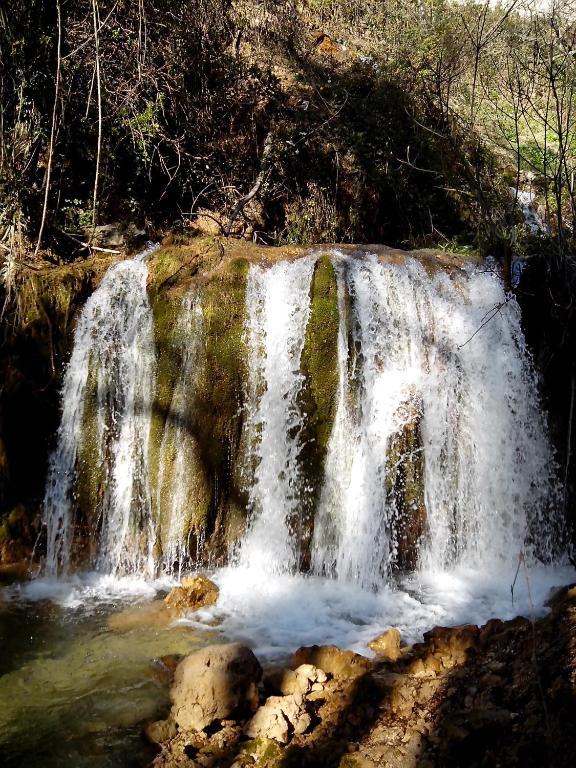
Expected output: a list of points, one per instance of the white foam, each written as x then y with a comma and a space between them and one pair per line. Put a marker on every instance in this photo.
277, 614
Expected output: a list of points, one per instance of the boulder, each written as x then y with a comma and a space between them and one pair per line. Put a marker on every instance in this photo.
332, 660
280, 718
194, 593
213, 684
387, 645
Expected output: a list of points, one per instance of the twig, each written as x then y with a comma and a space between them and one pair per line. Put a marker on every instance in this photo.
241, 204
96, 19
489, 316
88, 245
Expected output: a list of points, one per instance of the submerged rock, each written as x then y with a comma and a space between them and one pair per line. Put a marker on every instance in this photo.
194, 593
215, 683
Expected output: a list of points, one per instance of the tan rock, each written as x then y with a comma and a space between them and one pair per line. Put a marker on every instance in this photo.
194, 593
333, 661
305, 679
160, 731
387, 645
452, 644
280, 718
213, 683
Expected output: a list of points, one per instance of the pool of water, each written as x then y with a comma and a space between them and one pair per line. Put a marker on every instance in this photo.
74, 693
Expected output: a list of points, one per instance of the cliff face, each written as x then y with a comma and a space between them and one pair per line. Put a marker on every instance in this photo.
199, 417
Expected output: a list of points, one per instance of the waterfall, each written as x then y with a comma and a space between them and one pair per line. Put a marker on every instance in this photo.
488, 465
438, 456
278, 307
106, 408
177, 487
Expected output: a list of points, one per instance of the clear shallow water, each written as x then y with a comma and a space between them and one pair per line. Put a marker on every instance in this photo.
72, 691
75, 694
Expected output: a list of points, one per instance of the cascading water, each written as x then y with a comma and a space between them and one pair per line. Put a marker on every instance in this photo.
278, 305
488, 466
177, 487
111, 372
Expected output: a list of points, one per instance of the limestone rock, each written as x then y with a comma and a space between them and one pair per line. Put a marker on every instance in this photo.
332, 660
194, 593
387, 645
304, 679
280, 718
214, 683
160, 731
452, 644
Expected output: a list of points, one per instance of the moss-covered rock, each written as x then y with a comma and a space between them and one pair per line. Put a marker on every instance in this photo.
318, 397
405, 485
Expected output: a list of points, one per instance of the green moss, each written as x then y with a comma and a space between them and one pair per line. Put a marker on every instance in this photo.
318, 398
213, 415
261, 753
320, 355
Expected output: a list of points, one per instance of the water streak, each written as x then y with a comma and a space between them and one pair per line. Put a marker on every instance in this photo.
106, 409
489, 474
180, 469
278, 305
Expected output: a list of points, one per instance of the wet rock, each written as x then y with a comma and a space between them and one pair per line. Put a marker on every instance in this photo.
214, 683
332, 660
280, 718
194, 593
452, 644
387, 645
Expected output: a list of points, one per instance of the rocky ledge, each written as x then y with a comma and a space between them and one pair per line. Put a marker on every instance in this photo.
499, 695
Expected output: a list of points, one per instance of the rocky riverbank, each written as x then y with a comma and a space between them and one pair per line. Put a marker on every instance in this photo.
503, 694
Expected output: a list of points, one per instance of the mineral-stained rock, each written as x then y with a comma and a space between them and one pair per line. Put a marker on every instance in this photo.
387, 645
194, 593
280, 718
214, 683
332, 660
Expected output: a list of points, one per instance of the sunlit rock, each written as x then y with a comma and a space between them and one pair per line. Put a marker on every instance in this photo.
332, 660
280, 718
387, 645
214, 683
194, 593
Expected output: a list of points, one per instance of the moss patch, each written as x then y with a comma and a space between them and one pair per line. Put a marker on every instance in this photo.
318, 398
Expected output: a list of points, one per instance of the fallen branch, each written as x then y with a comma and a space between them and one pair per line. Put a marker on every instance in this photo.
87, 245
243, 202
